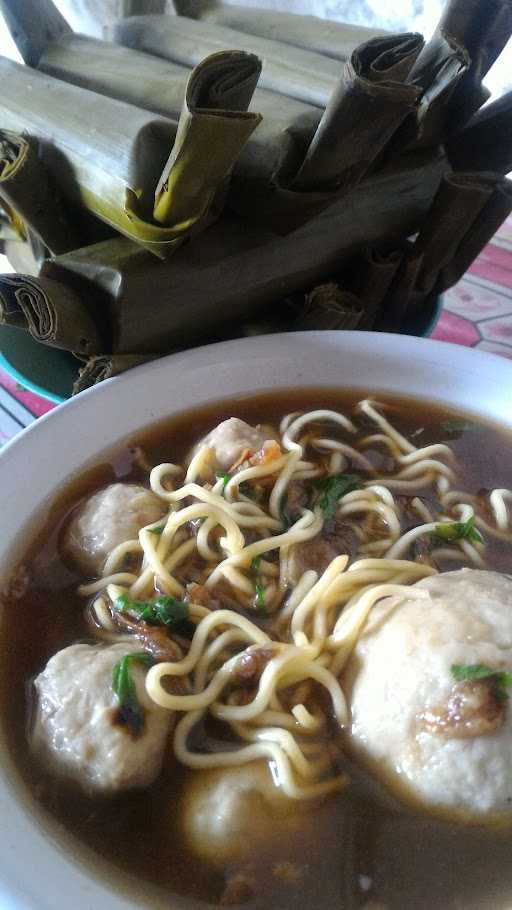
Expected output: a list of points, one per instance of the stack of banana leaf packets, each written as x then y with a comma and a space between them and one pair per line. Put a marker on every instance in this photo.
208, 170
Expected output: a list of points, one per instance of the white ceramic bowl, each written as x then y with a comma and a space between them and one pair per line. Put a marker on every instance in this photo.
36, 873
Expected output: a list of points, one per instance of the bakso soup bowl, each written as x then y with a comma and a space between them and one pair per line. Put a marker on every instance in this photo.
43, 866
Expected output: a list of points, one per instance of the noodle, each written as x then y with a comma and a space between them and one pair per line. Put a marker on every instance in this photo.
236, 536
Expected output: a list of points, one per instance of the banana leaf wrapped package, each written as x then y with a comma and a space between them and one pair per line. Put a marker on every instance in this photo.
29, 196
368, 106
332, 39
54, 313
484, 28
469, 37
289, 70
486, 141
153, 179
368, 101
273, 152
236, 269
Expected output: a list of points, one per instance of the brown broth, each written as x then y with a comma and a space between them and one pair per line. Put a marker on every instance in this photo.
359, 846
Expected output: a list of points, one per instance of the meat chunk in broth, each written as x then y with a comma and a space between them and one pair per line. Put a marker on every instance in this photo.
78, 730
335, 539
228, 813
111, 516
422, 721
230, 440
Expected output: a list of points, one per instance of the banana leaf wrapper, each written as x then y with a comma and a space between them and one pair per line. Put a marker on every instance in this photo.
486, 142
490, 218
104, 366
33, 24
289, 70
483, 27
329, 307
236, 269
35, 21
332, 39
31, 197
53, 313
271, 155
109, 157
362, 115
458, 203
396, 304
440, 67
372, 274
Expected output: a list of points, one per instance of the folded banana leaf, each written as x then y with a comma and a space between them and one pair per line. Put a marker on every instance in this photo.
458, 203
272, 153
329, 307
332, 39
439, 68
483, 27
289, 70
110, 157
87, 16
402, 293
30, 197
104, 366
236, 269
371, 276
479, 233
362, 115
367, 106
467, 211
486, 141
54, 313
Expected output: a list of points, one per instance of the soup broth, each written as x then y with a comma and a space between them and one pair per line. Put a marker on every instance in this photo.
362, 847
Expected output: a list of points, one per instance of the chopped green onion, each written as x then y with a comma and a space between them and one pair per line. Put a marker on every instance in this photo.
458, 530
260, 596
501, 679
158, 530
255, 565
332, 489
163, 611
225, 480
123, 686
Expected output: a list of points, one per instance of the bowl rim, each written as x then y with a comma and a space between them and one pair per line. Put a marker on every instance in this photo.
480, 383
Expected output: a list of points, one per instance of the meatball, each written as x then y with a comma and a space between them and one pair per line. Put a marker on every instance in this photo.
109, 517
230, 439
78, 730
442, 742
230, 812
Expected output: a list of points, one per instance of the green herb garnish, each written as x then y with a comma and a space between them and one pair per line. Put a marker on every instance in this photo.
123, 686
225, 480
163, 611
332, 489
260, 596
501, 679
458, 530
158, 530
255, 565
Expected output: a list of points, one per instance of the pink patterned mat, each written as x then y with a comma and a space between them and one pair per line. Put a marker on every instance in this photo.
477, 313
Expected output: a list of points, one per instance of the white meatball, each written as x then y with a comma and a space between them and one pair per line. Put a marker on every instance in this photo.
230, 439
227, 813
443, 743
109, 517
77, 730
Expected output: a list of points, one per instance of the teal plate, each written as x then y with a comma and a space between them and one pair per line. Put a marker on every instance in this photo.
46, 371
50, 372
